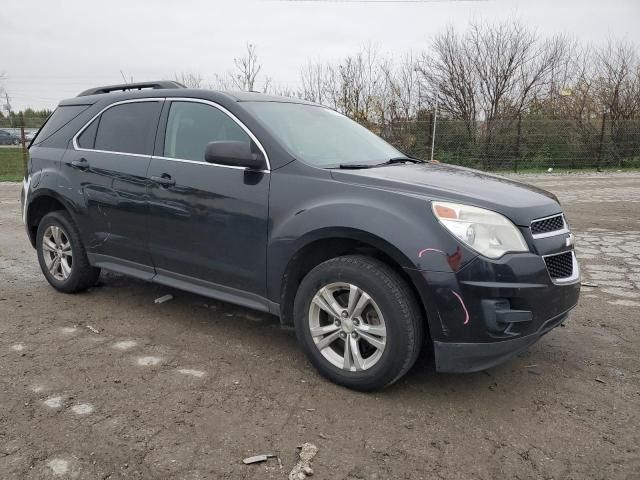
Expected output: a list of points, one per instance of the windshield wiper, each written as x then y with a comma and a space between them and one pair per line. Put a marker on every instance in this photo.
391, 161
355, 166
402, 160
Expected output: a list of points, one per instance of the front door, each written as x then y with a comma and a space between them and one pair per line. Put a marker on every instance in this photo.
109, 162
208, 223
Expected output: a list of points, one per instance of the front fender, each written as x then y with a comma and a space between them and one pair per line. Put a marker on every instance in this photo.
307, 206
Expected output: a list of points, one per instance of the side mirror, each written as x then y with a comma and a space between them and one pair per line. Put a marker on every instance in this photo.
235, 154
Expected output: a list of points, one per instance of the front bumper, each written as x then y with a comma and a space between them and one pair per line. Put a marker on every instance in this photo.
490, 310
454, 357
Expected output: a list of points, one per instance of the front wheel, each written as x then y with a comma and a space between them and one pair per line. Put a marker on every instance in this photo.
358, 322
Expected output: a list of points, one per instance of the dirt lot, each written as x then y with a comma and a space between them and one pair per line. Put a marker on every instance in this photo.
189, 388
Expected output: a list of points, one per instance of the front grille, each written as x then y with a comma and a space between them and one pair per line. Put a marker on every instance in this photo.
546, 225
560, 266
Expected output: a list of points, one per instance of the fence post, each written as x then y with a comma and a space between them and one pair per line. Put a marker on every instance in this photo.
515, 162
604, 119
23, 140
433, 132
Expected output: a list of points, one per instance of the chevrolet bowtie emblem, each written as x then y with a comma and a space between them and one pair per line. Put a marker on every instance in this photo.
570, 240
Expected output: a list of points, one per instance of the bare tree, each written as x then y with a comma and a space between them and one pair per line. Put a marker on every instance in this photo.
190, 80
360, 77
352, 86
562, 77
398, 102
280, 89
402, 87
449, 73
618, 77
314, 83
491, 70
576, 99
223, 82
617, 90
124, 77
491, 73
319, 83
244, 76
247, 69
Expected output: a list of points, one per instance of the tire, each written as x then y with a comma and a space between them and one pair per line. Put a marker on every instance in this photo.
392, 309
74, 273
16, 141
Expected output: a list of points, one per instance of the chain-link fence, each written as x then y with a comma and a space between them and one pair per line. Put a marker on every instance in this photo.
522, 143
525, 143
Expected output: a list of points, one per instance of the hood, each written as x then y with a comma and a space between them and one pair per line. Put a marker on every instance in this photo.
519, 202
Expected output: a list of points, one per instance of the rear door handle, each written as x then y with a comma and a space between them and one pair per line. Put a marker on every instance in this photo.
82, 164
165, 180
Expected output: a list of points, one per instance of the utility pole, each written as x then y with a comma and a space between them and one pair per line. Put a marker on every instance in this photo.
435, 118
7, 107
417, 71
517, 156
604, 122
25, 158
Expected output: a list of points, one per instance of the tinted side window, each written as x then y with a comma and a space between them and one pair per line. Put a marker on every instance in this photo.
128, 128
191, 126
87, 139
58, 119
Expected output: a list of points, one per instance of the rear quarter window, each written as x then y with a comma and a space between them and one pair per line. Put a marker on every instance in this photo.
58, 119
87, 138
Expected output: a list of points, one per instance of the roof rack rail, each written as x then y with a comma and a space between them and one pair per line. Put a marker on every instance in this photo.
123, 87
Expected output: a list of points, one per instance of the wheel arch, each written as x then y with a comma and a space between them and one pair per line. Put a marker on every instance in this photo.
41, 203
321, 245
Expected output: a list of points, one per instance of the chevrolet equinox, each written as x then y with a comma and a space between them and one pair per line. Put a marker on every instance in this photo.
288, 207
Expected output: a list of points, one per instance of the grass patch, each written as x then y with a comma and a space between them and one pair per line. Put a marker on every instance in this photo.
11, 165
11, 178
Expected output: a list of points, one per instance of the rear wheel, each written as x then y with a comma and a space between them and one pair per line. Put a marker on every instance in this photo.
358, 322
62, 256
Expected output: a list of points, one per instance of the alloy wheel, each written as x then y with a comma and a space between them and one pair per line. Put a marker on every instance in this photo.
57, 252
347, 326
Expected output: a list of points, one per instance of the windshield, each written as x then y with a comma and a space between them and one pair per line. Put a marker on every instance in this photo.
320, 136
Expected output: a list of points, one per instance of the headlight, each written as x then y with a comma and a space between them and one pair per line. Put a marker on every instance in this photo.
488, 233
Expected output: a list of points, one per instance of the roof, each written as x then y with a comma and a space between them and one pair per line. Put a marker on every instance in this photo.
167, 88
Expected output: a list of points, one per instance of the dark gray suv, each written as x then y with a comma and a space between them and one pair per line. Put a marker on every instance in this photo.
288, 207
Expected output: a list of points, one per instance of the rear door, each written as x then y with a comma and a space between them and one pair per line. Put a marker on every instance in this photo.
208, 223
109, 161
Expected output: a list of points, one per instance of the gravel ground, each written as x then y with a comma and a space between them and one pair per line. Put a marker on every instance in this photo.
107, 384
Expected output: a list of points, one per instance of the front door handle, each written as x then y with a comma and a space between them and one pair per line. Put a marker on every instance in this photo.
81, 164
165, 180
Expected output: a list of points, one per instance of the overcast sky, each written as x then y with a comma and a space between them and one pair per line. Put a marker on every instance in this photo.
51, 49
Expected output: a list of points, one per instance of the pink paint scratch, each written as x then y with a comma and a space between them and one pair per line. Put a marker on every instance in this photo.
425, 250
466, 313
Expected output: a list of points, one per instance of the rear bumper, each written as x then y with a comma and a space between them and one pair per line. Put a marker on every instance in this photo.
455, 357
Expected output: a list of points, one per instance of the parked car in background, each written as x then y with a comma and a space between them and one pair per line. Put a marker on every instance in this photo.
29, 134
8, 138
291, 208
